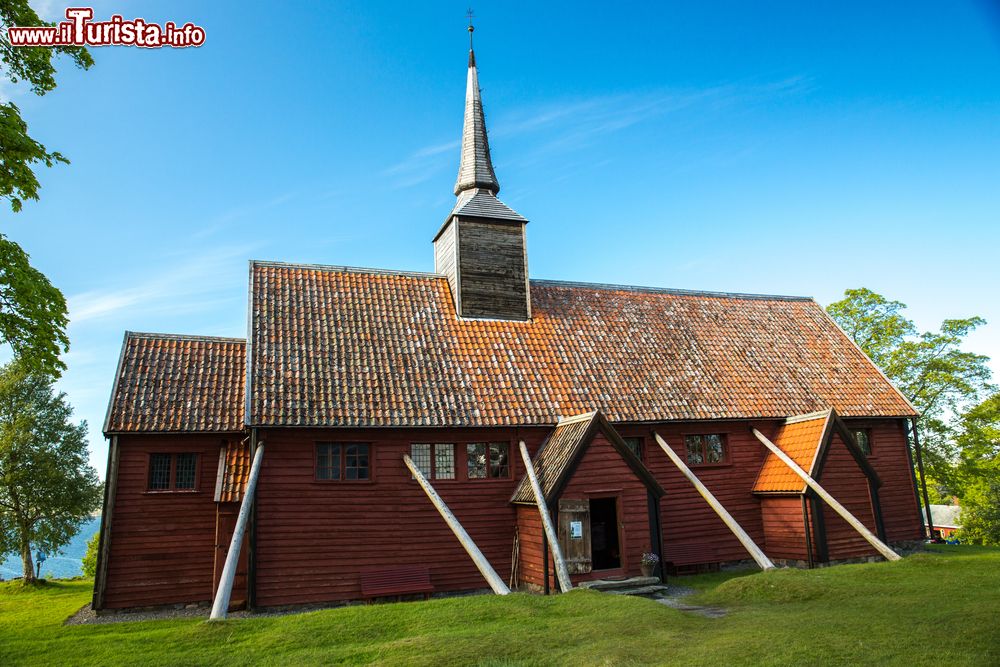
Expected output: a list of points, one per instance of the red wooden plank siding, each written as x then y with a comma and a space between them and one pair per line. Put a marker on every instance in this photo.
687, 518
784, 530
531, 562
315, 538
846, 482
162, 543
897, 494
603, 473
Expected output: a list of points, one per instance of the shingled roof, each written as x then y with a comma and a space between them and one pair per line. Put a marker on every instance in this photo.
338, 346
235, 471
174, 383
556, 459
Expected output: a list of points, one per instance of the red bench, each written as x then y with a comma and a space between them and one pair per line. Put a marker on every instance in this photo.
691, 557
397, 581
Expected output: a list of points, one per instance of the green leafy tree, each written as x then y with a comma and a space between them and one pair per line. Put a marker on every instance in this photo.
47, 487
33, 315
19, 153
932, 370
90, 558
978, 473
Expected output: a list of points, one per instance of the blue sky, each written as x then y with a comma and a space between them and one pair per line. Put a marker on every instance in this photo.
790, 148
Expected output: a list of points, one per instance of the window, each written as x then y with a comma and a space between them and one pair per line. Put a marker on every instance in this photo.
863, 437
342, 461
635, 444
440, 465
488, 460
705, 449
173, 472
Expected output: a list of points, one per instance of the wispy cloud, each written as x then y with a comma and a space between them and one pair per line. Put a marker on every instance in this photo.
573, 124
193, 285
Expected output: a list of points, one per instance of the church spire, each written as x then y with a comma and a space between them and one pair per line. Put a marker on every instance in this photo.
475, 171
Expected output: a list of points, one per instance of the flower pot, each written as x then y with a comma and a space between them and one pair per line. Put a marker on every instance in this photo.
647, 569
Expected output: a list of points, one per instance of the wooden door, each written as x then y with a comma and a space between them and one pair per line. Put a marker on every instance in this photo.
225, 523
574, 535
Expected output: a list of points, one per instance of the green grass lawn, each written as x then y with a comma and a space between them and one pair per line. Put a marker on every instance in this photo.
939, 607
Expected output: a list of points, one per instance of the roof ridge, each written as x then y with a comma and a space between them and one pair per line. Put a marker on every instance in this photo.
335, 268
669, 290
191, 337
809, 416
586, 416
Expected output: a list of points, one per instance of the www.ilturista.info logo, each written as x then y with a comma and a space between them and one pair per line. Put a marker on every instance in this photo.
79, 30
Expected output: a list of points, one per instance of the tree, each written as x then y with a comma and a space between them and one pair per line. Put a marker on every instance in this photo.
33, 315
47, 488
90, 558
932, 370
33, 65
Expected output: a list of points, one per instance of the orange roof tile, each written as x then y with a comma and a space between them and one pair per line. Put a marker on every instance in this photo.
236, 472
178, 383
333, 346
800, 438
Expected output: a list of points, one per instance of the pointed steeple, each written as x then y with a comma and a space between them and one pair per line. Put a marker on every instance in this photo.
475, 171
481, 247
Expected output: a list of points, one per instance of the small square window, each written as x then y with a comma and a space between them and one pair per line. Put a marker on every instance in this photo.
488, 460
444, 461
187, 464
343, 461
705, 449
435, 461
173, 472
159, 472
635, 445
863, 437
327, 461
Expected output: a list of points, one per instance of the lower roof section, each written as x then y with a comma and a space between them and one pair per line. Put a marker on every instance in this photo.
170, 383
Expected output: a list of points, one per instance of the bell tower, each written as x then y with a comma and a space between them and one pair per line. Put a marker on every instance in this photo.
481, 246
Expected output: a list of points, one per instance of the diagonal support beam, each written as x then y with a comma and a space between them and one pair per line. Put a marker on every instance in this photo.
562, 573
879, 545
758, 554
220, 607
491, 576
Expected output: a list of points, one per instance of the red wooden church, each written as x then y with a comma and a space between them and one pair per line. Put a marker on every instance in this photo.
346, 370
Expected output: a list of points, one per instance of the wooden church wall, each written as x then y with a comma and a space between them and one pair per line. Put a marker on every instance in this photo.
687, 518
846, 482
900, 512
784, 528
315, 538
162, 542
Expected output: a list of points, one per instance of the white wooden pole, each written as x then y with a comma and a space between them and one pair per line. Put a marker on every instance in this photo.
491, 576
220, 607
879, 545
758, 554
562, 573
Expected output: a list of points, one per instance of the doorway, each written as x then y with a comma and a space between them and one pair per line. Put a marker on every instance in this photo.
604, 546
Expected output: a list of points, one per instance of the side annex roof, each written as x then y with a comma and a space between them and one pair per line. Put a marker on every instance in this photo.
173, 383
557, 458
806, 440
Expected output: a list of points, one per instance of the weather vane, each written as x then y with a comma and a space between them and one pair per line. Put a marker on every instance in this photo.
470, 14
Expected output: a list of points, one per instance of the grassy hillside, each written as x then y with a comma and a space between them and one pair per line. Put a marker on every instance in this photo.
928, 609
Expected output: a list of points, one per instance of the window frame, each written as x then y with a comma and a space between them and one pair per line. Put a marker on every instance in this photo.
867, 430
723, 438
342, 468
172, 479
641, 453
488, 478
433, 460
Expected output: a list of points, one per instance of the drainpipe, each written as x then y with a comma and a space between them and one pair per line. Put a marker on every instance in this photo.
923, 479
